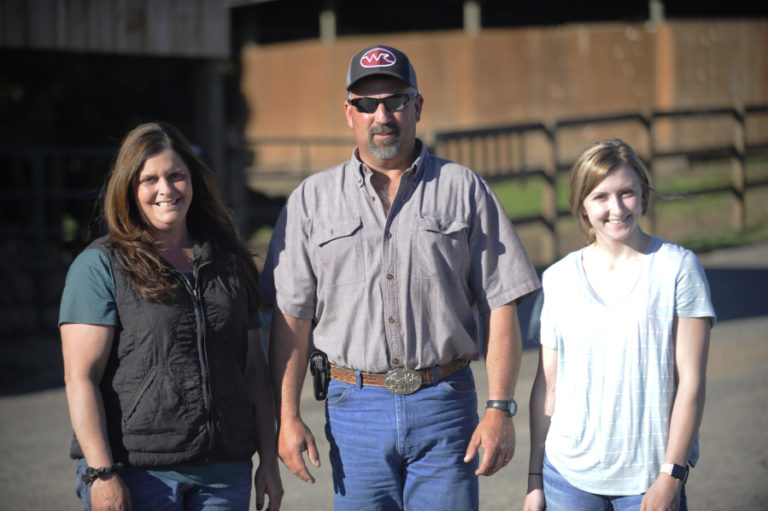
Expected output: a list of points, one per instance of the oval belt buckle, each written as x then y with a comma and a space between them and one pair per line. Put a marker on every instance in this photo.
402, 381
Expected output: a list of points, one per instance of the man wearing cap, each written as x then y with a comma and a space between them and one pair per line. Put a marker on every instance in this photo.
402, 266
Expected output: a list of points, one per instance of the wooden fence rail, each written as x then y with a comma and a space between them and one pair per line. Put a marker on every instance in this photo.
481, 151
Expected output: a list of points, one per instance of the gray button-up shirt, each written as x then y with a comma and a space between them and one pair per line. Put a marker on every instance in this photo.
401, 289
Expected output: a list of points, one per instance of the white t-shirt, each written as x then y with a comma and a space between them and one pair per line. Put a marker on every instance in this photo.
616, 368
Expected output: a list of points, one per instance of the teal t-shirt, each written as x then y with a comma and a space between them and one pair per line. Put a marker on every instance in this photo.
89, 291
89, 298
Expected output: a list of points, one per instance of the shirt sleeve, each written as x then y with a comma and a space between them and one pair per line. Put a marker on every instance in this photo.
89, 291
548, 336
501, 270
692, 295
288, 280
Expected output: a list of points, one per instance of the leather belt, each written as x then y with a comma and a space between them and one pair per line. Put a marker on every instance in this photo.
400, 380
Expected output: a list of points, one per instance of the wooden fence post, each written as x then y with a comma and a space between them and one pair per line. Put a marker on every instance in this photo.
738, 169
550, 246
650, 212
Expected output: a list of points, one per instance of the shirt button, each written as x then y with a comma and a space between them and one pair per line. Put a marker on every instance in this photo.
395, 360
390, 276
373, 198
391, 319
442, 227
389, 235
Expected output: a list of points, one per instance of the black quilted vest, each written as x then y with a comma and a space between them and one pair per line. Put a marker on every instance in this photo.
174, 390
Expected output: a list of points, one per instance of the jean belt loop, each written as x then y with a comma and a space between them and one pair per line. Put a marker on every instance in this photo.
434, 374
358, 379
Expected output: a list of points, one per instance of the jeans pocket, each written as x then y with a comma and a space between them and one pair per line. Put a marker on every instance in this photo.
459, 384
337, 393
457, 388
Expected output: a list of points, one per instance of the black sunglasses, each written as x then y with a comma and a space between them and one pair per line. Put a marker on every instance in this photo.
393, 103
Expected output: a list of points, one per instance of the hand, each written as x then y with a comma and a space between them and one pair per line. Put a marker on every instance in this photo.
496, 435
109, 493
267, 483
663, 495
534, 501
293, 439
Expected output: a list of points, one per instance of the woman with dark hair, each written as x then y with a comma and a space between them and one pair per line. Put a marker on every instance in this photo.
619, 394
166, 378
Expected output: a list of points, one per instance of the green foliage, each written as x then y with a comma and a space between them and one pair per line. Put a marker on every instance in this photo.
708, 241
524, 197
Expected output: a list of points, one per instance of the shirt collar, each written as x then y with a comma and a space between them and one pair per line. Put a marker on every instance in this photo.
415, 171
421, 161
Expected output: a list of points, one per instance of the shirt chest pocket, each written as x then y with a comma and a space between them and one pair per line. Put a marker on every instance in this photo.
440, 248
340, 249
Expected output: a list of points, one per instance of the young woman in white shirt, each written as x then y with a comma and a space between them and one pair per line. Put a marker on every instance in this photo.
619, 393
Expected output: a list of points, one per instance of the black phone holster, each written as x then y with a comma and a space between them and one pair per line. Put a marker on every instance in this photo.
321, 373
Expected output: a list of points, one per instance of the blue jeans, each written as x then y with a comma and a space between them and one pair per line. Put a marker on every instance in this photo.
403, 452
560, 495
153, 492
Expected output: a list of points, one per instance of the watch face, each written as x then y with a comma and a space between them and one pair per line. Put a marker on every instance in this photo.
679, 472
509, 406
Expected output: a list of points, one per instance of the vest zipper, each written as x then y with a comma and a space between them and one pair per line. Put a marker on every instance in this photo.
202, 352
208, 395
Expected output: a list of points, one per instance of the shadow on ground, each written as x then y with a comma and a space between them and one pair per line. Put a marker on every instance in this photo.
738, 293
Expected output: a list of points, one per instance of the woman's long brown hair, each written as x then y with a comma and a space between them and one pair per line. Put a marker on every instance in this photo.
207, 219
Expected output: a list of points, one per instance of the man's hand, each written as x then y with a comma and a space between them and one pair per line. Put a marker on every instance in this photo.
267, 483
663, 495
496, 435
295, 438
109, 493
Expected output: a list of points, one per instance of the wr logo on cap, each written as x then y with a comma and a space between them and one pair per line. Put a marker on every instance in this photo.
377, 57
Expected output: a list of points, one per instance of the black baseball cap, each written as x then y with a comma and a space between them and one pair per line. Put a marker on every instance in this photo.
381, 61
